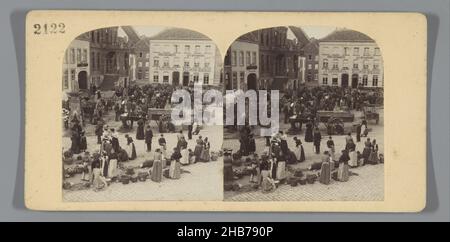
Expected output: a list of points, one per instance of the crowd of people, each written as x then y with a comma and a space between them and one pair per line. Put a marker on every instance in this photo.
103, 164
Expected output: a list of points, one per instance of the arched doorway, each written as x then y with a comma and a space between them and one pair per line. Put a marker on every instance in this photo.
251, 82
82, 80
176, 78
354, 80
344, 80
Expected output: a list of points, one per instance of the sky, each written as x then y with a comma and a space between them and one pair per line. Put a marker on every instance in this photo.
312, 31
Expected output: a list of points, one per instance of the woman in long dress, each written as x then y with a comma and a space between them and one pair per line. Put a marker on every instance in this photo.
205, 156
299, 151
309, 132
140, 134
112, 168
198, 149
353, 162
373, 157
131, 149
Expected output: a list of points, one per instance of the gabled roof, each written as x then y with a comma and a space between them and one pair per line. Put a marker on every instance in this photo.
313, 43
179, 34
133, 37
301, 36
144, 41
251, 37
346, 35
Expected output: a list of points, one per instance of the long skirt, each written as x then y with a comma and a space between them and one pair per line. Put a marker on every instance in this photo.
198, 152
325, 173
112, 169
281, 170
98, 181
174, 170
205, 156
156, 175
184, 157
353, 162
131, 151
343, 172
373, 157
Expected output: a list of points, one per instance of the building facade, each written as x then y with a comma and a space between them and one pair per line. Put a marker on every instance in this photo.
109, 58
241, 65
141, 52
182, 57
279, 57
76, 66
349, 58
311, 57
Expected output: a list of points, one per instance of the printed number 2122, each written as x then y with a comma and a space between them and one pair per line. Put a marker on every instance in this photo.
52, 28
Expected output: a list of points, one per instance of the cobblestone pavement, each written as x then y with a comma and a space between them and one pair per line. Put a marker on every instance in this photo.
368, 185
202, 182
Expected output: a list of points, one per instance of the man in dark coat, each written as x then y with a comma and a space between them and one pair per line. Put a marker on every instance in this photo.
148, 138
190, 131
317, 137
358, 133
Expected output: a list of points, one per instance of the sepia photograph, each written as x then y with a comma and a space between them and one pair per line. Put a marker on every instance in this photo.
325, 87
119, 140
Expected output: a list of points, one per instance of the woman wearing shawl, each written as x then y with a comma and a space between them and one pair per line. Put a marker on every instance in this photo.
198, 149
131, 149
299, 151
205, 156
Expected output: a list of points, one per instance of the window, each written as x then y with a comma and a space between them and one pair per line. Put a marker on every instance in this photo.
316, 77
235, 85
377, 51
242, 79
253, 58
155, 77
165, 77
155, 63
346, 51
334, 81
241, 58
197, 49
325, 64
84, 56
316, 66
78, 55
309, 66
325, 80
141, 54
364, 80
248, 58
146, 74
72, 56
196, 77
366, 51
345, 64
233, 58
356, 51
187, 48
147, 64
355, 66
206, 78
139, 64
72, 75
139, 75
175, 48
376, 65
208, 48
365, 65
308, 78
166, 62
66, 79
309, 57
335, 65
374, 80
186, 63
196, 63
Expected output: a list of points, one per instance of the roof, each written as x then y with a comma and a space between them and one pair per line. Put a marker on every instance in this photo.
346, 35
179, 34
313, 44
251, 37
144, 42
301, 36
